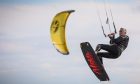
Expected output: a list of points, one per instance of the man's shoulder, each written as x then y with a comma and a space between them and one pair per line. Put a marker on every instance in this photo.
127, 36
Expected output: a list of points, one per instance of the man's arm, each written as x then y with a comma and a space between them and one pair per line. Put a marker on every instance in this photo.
112, 37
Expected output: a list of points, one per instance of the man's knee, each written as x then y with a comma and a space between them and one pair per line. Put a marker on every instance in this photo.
98, 47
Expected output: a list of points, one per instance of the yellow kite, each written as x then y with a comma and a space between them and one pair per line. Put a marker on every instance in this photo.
57, 31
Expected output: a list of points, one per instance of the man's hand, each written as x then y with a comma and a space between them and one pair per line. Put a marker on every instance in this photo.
111, 35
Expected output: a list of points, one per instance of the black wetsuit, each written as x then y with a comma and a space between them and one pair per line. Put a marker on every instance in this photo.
115, 48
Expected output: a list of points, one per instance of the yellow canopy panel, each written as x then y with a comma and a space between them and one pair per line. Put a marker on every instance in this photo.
57, 31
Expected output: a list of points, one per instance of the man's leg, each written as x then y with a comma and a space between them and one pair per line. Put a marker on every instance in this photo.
109, 48
105, 55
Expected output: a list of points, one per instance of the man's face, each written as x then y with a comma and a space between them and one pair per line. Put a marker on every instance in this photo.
122, 32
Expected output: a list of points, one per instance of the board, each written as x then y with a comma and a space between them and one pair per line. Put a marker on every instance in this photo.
94, 62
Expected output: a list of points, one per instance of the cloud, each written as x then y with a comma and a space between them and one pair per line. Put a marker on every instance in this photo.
135, 5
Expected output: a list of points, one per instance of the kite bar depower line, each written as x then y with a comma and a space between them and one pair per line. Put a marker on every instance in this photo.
107, 18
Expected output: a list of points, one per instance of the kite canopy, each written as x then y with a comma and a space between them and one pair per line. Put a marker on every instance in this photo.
57, 31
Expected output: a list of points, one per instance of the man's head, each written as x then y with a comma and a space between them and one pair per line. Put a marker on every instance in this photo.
122, 32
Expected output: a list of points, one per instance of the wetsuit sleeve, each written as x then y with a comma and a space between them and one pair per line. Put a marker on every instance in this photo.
117, 40
112, 39
126, 40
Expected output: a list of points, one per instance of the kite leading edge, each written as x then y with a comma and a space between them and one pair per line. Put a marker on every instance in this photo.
57, 31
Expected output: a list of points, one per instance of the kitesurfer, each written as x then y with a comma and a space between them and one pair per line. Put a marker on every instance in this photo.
116, 46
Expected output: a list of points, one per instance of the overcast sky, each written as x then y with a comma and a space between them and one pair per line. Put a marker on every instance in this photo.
27, 55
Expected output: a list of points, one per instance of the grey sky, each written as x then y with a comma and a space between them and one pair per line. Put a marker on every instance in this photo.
55, 1
27, 55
